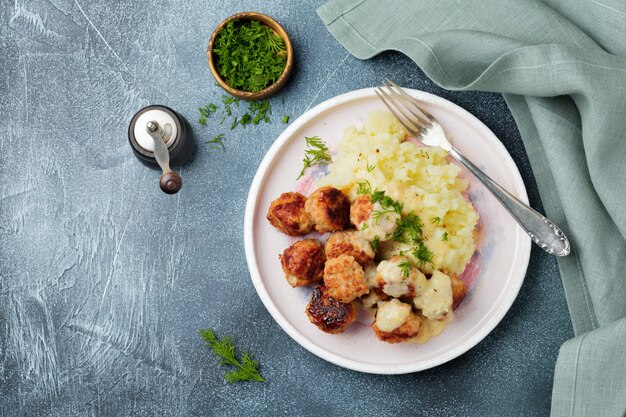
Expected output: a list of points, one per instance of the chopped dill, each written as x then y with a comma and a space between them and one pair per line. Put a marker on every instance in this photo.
376, 243
217, 142
435, 220
285, 119
205, 112
444, 238
422, 253
405, 266
248, 55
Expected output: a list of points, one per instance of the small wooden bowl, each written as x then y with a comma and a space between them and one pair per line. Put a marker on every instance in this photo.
280, 82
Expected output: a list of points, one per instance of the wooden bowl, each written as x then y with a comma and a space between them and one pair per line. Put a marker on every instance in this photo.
280, 82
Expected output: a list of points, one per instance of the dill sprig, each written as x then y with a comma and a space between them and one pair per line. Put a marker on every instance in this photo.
316, 154
246, 370
217, 142
405, 266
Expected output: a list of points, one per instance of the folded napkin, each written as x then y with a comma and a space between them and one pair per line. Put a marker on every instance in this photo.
561, 67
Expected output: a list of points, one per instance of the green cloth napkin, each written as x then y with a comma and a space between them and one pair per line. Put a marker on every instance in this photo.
561, 67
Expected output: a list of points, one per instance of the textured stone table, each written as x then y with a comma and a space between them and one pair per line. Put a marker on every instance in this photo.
105, 280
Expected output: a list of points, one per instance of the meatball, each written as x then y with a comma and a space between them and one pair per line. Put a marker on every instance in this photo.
329, 209
288, 215
350, 243
399, 278
396, 322
303, 263
374, 221
459, 290
344, 279
374, 297
329, 314
436, 301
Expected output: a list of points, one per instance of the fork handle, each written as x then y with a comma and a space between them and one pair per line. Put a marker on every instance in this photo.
541, 230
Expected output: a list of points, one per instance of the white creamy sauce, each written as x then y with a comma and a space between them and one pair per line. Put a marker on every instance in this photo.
370, 275
391, 315
431, 328
436, 301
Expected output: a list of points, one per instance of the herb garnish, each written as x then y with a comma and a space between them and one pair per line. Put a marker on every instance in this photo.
444, 238
285, 119
435, 220
375, 242
217, 142
205, 112
249, 55
377, 196
247, 368
405, 266
409, 229
316, 154
256, 112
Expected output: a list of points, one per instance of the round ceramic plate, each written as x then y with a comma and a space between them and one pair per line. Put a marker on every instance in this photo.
494, 275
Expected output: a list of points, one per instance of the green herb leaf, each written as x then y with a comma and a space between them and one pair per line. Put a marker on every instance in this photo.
217, 142
376, 243
405, 266
444, 238
246, 370
422, 253
205, 112
285, 119
316, 154
435, 220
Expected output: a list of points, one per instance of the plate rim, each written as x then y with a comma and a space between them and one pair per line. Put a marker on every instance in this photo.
252, 204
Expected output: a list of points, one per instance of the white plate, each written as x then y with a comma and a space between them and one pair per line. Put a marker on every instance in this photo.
494, 275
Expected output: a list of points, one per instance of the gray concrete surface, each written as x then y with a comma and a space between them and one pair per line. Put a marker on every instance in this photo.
105, 280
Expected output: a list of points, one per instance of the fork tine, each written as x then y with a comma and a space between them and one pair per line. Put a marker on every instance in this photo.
412, 101
397, 111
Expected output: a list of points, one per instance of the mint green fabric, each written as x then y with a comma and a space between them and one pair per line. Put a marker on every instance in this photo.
561, 66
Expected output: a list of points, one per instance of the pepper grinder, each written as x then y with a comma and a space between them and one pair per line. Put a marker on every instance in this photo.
158, 137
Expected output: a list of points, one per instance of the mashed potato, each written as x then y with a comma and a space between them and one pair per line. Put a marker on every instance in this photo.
421, 178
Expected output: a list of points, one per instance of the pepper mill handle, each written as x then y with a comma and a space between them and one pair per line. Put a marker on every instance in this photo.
170, 182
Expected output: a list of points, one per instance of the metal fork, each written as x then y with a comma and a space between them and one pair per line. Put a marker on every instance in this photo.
425, 128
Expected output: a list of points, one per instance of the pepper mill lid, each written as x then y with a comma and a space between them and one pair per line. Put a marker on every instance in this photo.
169, 125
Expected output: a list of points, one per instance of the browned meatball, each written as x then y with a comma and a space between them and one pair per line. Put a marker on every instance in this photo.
344, 279
303, 263
361, 209
396, 322
288, 215
329, 314
459, 290
329, 209
350, 243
